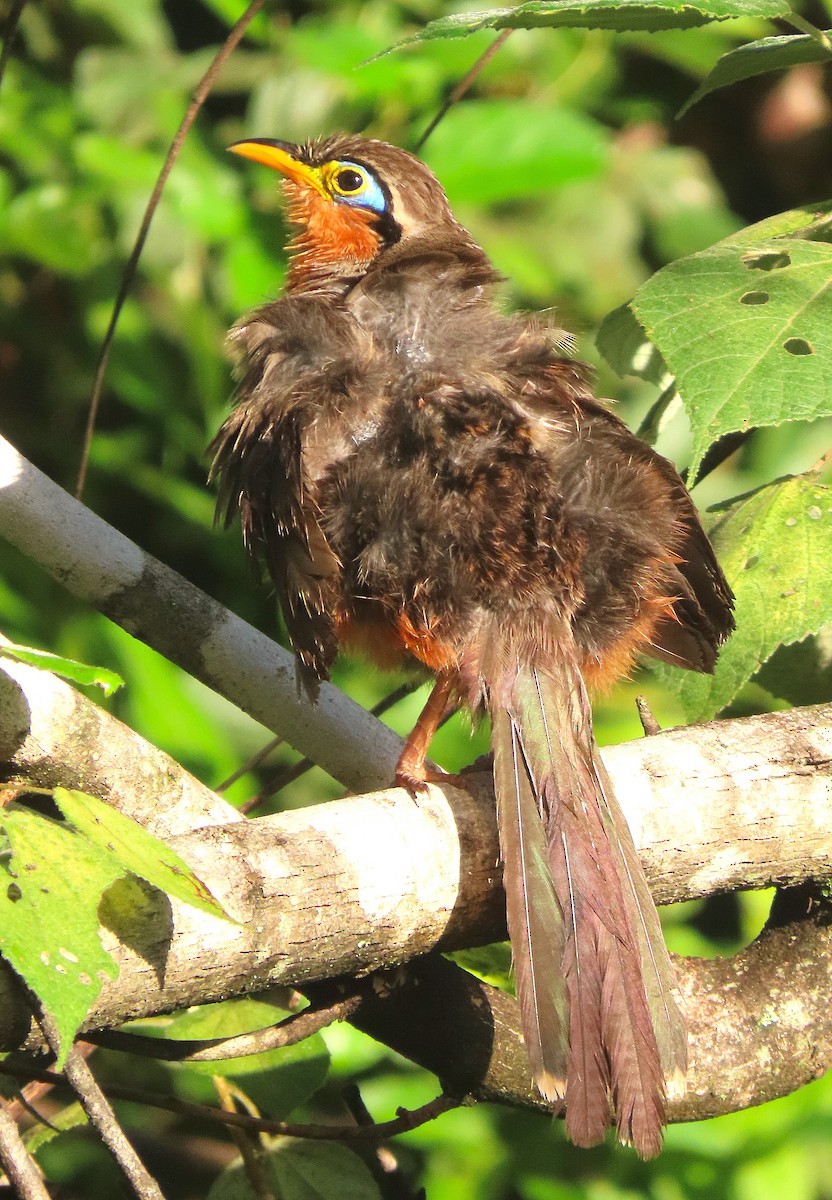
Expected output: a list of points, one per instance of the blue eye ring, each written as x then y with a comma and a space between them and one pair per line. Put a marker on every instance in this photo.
351, 183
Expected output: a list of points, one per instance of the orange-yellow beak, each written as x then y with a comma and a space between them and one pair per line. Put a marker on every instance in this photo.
282, 157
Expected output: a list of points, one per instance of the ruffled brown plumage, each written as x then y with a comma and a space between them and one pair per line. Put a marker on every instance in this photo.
432, 480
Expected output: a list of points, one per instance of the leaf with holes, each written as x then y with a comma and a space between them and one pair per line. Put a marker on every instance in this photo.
757, 58
49, 931
745, 326
137, 850
775, 546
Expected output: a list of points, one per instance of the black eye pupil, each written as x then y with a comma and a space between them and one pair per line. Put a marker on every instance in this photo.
349, 181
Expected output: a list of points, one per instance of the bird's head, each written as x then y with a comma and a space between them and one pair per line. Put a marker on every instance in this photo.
352, 198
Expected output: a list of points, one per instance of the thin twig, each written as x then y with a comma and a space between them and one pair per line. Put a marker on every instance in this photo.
12, 22
250, 764
203, 88
645, 714
461, 88
403, 1122
100, 1114
288, 775
17, 1162
380, 1159
20, 1104
249, 1150
294, 1029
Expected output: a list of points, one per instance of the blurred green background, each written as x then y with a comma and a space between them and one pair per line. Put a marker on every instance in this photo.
566, 162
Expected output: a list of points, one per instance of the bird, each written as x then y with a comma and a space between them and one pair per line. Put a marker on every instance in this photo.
430, 481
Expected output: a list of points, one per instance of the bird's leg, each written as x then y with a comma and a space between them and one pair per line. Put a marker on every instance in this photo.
411, 770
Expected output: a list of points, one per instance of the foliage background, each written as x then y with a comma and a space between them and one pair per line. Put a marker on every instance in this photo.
567, 163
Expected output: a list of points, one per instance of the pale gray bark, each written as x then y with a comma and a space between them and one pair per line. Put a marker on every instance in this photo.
363, 884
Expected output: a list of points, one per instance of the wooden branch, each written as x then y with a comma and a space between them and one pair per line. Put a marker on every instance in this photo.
52, 735
361, 884
760, 1023
101, 566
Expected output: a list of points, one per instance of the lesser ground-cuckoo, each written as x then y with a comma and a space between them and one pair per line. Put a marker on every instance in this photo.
428, 479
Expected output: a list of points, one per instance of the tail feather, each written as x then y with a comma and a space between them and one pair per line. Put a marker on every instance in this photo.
627, 1042
535, 921
656, 967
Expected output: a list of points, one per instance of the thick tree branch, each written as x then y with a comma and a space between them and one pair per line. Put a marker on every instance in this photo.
760, 1023
361, 884
364, 884
98, 564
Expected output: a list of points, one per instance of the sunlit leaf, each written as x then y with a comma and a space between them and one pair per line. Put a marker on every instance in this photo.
775, 546
757, 58
137, 850
67, 668
597, 14
49, 929
745, 327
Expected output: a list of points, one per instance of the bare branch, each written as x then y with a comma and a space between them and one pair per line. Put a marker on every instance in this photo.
101, 1116
368, 882
203, 88
760, 1023
404, 1121
98, 564
16, 1161
51, 734
185, 1050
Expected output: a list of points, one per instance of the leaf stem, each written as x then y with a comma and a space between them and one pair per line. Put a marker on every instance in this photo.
821, 36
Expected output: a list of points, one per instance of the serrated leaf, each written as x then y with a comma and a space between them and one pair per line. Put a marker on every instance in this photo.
745, 327
137, 850
801, 672
299, 1170
775, 546
596, 14
67, 668
758, 58
49, 930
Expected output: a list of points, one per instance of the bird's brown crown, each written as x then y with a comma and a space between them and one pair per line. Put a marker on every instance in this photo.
351, 198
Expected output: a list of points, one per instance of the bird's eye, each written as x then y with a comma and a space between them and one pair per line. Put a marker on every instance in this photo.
349, 181
353, 184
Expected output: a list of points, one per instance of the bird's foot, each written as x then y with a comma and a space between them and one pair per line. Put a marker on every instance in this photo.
416, 776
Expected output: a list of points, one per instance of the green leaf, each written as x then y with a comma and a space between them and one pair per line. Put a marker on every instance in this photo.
67, 668
277, 1080
757, 58
624, 343
597, 14
137, 850
299, 1170
49, 929
775, 546
801, 673
71, 1117
744, 327
539, 148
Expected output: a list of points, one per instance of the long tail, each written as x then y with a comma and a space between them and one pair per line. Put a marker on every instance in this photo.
594, 978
